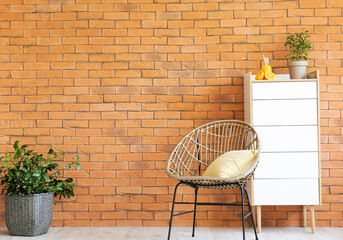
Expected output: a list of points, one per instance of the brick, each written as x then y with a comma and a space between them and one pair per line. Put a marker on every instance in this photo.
63, 16
231, 6
61, 115
301, 12
36, 131
246, 30
329, 29
207, 23
334, 3
246, 14
128, 40
22, 41
273, 30
74, 223
245, 47
327, 12
193, 15
154, 23
314, 20
259, 22
287, 21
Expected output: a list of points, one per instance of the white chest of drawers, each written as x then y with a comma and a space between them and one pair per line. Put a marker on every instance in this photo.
285, 114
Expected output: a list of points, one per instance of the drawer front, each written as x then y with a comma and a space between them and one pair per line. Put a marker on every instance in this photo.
286, 192
284, 90
288, 138
285, 112
287, 165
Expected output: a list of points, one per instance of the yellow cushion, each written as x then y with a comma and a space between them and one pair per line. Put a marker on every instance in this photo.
231, 164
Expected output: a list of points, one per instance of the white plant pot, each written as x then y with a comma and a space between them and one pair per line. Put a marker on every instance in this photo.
297, 69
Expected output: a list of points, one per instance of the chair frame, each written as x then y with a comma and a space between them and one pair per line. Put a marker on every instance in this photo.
197, 182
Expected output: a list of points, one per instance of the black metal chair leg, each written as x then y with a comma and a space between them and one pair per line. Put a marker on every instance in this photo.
244, 197
172, 211
243, 213
250, 209
195, 209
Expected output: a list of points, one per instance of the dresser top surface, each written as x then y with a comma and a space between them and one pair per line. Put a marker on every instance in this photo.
313, 76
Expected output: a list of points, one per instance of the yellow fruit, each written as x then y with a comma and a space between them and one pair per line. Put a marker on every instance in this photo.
269, 75
266, 68
259, 75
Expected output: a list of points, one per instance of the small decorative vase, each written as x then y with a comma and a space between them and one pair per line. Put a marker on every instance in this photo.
29, 215
297, 69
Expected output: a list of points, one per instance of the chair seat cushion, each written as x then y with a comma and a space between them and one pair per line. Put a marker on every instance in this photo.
231, 164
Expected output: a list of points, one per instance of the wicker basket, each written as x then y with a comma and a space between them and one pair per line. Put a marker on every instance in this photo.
29, 215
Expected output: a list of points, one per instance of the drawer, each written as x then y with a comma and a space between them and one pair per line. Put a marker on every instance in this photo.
285, 112
284, 90
287, 165
288, 138
286, 191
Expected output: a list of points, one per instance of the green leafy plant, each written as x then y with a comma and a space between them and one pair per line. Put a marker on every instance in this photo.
31, 173
299, 45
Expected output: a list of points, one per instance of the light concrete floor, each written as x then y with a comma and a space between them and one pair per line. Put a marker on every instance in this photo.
179, 233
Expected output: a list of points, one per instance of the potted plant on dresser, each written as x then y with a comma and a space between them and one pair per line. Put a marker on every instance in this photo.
30, 181
299, 45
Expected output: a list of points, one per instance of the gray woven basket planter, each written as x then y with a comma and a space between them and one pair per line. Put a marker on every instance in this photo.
29, 215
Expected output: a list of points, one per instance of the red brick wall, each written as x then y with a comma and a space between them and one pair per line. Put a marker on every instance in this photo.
119, 82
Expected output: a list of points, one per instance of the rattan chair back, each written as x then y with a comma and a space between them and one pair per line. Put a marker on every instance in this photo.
195, 152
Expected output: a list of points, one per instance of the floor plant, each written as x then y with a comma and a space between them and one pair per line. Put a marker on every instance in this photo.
29, 180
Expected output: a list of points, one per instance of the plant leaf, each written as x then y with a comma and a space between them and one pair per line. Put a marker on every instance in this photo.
52, 189
16, 145
27, 172
46, 177
53, 165
69, 180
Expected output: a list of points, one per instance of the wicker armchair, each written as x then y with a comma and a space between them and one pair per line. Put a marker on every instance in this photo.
195, 152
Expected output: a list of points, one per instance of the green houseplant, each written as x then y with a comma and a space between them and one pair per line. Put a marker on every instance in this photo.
29, 181
299, 46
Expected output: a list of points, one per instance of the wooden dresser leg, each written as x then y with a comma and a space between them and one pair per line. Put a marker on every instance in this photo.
305, 216
313, 220
258, 209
